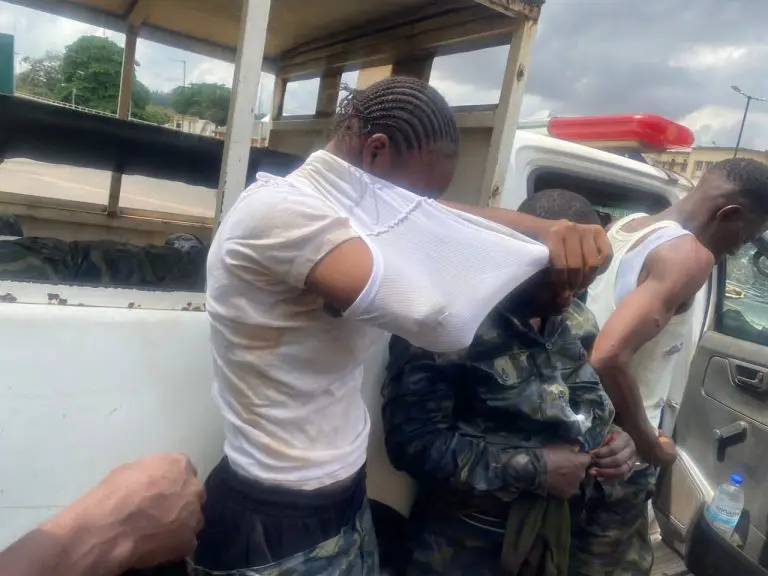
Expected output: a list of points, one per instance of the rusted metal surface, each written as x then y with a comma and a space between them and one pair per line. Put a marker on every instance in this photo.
99, 297
57, 299
529, 9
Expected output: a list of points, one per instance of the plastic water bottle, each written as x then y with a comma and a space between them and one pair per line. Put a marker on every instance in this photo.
726, 506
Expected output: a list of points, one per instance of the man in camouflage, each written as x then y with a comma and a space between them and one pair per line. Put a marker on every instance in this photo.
501, 435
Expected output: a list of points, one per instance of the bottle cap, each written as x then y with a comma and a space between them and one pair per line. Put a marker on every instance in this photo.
737, 479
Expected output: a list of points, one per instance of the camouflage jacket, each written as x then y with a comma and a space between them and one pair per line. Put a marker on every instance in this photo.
478, 418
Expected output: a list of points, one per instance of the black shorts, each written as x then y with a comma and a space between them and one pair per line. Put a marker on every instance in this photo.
248, 523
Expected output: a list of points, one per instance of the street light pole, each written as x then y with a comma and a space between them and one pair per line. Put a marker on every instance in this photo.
184, 71
183, 82
746, 111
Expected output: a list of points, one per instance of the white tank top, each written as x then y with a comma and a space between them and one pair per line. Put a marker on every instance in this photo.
654, 365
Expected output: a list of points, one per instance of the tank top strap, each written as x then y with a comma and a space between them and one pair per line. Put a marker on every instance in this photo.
633, 260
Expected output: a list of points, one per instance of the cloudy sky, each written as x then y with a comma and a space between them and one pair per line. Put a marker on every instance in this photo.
677, 58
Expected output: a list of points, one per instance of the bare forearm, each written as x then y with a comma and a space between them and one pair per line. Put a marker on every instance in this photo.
623, 391
65, 546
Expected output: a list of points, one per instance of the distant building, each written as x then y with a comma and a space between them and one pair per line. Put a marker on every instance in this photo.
192, 125
260, 136
693, 162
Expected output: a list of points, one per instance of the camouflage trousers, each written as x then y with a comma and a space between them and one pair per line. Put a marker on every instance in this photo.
609, 535
351, 553
454, 545
610, 538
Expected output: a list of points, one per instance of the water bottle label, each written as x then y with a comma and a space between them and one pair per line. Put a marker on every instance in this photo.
718, 514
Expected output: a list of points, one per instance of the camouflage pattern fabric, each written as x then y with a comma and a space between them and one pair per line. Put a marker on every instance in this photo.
178, 265
351, 553
475, 422
476, 418
611, 536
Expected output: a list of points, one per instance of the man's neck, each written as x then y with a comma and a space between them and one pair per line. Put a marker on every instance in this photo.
690, 217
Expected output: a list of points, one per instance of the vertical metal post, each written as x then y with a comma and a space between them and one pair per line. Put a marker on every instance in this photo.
242, 104
123, 111
278, 97
328, 94
507, 112
419, 67
741, 130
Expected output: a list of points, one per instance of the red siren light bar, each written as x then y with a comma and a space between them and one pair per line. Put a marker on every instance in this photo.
646, 131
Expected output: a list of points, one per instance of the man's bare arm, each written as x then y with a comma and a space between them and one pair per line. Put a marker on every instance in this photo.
576, 253
80, 548
141, 515
674, 272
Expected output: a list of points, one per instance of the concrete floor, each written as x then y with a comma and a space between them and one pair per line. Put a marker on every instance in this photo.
22, 176
667, 562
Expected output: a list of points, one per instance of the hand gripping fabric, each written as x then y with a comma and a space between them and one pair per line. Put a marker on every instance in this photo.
437, 272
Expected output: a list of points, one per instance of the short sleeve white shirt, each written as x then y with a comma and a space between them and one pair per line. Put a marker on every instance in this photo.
287, 375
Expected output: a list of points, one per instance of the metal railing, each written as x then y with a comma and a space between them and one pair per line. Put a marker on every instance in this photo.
79, 108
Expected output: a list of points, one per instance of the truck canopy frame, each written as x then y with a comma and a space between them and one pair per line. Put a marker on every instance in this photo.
295, 39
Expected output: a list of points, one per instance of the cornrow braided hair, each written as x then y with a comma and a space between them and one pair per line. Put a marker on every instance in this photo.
411, 113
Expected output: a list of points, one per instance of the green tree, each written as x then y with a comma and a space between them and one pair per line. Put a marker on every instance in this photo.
162, 98
204, 100
91, 69
42, 76
155, 114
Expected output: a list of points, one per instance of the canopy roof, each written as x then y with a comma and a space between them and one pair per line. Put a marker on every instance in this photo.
211, 27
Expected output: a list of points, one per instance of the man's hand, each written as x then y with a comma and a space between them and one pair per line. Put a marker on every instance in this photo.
658, 450
663, 452
148, 512
615, 458
577, 253
566, 467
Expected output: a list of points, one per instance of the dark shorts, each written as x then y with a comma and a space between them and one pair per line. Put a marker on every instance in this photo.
251, 528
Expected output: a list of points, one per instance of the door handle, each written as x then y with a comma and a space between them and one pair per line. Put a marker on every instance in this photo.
731, 431
750, 378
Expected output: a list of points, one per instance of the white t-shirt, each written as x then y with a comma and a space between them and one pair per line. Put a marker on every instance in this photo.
287, 375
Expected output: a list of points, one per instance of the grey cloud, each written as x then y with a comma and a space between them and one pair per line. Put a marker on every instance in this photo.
590, 57
623, 56
597, 57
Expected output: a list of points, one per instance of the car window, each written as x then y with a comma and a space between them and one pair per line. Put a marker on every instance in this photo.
743, 296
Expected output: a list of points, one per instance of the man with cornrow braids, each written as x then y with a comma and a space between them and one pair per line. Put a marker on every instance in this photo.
305, 275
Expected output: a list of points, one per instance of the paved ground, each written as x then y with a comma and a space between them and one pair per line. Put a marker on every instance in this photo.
667, 562
59, 181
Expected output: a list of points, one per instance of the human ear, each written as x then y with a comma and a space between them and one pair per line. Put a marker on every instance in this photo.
377, 154
729, 214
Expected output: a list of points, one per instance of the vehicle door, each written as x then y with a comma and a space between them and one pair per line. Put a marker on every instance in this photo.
722, 425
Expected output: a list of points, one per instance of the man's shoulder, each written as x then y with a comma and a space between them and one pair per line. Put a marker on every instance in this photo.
678, 269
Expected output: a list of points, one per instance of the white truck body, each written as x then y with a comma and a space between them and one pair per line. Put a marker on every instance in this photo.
94, 377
